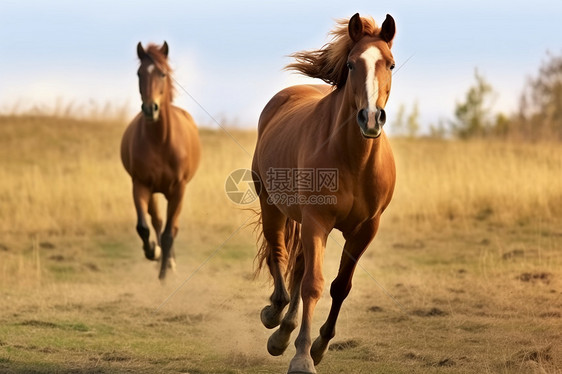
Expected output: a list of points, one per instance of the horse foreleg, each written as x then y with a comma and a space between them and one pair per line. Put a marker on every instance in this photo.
171, 230
156, 224
341, 286
314, 234
141, 197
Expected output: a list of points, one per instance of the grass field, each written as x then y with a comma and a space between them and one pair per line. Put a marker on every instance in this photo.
465, 274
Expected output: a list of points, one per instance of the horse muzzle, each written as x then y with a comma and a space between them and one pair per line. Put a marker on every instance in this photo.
151, 111
371, 123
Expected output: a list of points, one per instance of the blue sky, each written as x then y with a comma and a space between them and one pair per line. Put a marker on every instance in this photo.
229, 55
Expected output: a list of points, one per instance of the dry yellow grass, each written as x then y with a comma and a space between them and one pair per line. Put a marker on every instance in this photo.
65, 176
470, 248
460, 180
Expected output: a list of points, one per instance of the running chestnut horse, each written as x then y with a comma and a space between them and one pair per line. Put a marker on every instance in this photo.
160, 150
322, 161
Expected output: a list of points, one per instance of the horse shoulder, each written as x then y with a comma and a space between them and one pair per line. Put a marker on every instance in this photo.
127, 141
188, 147
272, 107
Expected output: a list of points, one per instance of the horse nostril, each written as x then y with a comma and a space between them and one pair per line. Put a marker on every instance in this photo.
363, 117
381, 117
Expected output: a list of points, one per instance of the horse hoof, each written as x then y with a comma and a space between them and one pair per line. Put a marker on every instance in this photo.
273, 346
270, 317
172, 265
162, 274
301, 365
157, 252
317, 350
152, 253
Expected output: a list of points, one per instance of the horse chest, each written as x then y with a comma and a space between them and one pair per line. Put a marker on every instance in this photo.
158, 169
362, 196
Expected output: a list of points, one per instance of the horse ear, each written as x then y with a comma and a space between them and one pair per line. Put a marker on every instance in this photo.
355, 28
164, 49
388, 30
140, 51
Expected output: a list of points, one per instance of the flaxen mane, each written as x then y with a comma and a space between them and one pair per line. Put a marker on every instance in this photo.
161, 62
329, 62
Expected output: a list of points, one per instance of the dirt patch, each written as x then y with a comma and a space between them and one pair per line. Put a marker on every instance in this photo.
416, 357
344, 345
456, 290
539, 355
4, 248
474, 327
112, 357
68, 307
375, 309
433, 312
242, 360
535, 277
37, 323
47, 245
58, 258
551, 314
47, 350
445, 362
416, 244
92, 267
513, 254
189, 319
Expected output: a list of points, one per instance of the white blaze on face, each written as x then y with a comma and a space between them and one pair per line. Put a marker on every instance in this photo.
150, 68
371, 56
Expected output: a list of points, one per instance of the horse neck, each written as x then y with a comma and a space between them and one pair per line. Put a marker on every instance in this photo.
346, 135
162, 130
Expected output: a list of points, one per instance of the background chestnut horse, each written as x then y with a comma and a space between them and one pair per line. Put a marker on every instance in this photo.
160, 150
307, 129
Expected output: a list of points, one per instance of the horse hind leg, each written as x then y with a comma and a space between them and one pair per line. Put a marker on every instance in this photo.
271, 314
279, 340
275, 253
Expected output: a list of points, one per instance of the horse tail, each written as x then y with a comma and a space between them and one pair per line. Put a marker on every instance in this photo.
293, 245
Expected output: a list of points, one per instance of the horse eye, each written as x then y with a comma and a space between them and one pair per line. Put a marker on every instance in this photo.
350, 66
392, 67
162, 75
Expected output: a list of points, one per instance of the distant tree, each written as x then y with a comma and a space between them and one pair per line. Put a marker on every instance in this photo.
472, 116
413, 123
502, 126
406, 124
540, 112
439, 130
399, 125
